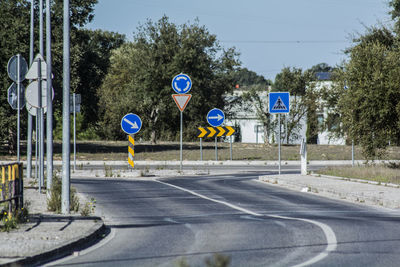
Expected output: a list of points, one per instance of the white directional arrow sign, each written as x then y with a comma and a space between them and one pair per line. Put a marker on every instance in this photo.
134, 124
218, 117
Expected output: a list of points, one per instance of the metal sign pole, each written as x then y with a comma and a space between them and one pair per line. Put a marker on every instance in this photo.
30, 122
181, 140
41, 125
74, 107
230, 140
18, 102
49, 116
352, 153
279, 143
201, 149
216, 149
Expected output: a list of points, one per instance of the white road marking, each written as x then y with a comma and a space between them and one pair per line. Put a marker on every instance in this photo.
329, 233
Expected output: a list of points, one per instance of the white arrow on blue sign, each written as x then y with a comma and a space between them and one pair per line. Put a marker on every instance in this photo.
131, 123
181, 83
279, 102
215, 117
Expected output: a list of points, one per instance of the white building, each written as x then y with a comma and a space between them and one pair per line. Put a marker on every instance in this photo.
250, 128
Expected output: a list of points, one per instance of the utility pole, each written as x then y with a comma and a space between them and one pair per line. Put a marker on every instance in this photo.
65, 194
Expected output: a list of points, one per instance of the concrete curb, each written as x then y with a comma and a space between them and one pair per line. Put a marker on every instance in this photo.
95, 233
366, 192
213, 162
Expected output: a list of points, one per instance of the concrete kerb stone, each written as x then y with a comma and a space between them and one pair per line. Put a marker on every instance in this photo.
95, 233
353, 190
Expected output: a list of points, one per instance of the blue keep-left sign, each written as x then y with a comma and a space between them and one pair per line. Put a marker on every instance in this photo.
215, 117
279, 102
181, 83
131, 123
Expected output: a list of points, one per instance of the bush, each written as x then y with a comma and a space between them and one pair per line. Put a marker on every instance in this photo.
54, 202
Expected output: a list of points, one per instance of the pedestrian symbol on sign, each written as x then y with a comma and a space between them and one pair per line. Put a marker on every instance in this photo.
279, 102
279, 105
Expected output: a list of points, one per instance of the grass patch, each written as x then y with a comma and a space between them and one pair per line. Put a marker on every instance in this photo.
118, 150
378, 173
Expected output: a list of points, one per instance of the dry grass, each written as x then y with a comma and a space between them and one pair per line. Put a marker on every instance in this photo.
378, 173
118, 150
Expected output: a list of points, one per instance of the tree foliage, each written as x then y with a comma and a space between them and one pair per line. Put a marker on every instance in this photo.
139, 80
14, 39
370, 106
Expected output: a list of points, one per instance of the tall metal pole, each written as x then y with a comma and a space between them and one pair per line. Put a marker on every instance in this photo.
38, 111
49, 118
39, 114
181, 140
65, 194
29, 137
74, 110
279, 143
18, 103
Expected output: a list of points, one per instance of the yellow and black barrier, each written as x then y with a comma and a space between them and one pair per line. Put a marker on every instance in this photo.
131, 151
12, 186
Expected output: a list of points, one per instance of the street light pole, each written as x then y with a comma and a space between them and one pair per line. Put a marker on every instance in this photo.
65, 194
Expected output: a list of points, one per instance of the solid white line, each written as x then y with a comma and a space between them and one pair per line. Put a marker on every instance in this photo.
329, 233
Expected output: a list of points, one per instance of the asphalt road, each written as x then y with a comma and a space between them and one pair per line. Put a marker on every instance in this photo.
158, 223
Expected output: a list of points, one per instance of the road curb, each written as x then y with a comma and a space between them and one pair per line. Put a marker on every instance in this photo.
96, 232
380, 196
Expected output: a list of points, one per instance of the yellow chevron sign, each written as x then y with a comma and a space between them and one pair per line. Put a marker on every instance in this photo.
230, 130
221, 131
201, 132
215, 131
212, 131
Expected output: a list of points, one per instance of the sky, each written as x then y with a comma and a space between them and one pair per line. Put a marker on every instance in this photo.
269, 34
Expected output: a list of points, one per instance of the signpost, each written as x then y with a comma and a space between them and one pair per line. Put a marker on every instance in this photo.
181, 84
279, 103
12, 96
131, 124
219, 131
74, 107
17, 68
215, 117
36, 96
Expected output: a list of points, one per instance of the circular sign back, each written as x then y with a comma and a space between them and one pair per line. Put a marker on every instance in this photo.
12, 68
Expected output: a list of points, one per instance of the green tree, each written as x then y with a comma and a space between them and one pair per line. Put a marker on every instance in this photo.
370, 106
295, 81
140, 76
246, 78
14, 39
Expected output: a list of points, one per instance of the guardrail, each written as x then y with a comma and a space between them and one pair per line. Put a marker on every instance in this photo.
12, 186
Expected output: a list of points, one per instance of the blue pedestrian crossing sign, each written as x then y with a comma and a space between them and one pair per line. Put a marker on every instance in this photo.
131, 123
215, 117
279, 102
181, 83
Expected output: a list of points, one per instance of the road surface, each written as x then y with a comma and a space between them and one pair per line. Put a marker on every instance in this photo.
165, 221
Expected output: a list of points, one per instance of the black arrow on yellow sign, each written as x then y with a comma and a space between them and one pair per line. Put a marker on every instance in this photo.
215, 131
